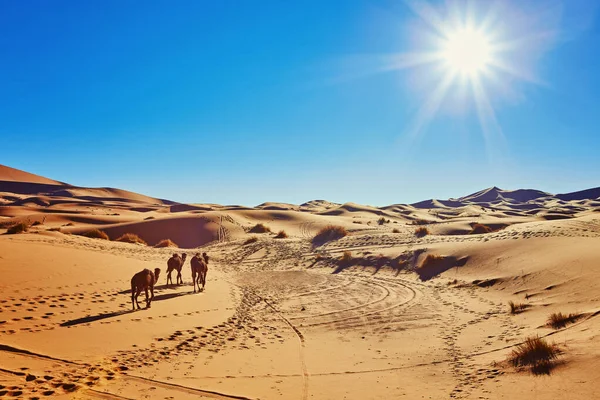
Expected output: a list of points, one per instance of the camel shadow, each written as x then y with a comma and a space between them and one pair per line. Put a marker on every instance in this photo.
99, 317
93, 318
158, 287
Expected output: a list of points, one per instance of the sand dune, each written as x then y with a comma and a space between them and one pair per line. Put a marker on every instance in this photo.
383, 312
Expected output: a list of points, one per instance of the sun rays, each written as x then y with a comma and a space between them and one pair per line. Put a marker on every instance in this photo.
484, 51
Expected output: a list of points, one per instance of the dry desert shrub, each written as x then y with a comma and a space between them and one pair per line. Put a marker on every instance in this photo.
131, 238
431, 259
253, 239
19, 227
166, 243
96, 234
395, 230
516, 308
421, 232
382, 221
281, 235
560, 320
260, 228
329, 233
480, 228
346, 257
535, 353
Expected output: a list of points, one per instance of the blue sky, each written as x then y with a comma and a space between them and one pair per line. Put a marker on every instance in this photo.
241, 102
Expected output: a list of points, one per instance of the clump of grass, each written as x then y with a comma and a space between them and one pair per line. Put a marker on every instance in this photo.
329, 233
281, 235
382, 221
253, 239
19, 227
560, 320
346, 258
166, 243
421, 232
260, 228
96, 234
395, 230
536, 353
516, 308
480, 228
131, 238
431, 259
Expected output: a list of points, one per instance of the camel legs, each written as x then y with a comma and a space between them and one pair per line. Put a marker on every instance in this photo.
147, 297
179, 278
169, 278
203, 276
135, 298
194, 281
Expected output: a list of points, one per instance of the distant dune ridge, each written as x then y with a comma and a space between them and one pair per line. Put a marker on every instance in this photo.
116, 211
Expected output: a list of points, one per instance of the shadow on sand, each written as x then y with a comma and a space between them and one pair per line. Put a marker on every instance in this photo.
99, 317
158, 287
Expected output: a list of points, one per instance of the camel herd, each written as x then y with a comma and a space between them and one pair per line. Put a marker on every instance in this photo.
146, 279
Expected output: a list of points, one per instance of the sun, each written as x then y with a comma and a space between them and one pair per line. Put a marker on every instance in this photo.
467, 51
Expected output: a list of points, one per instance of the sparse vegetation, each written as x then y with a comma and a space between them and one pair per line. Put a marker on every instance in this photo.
281, 235
516, 308
253, 239
480, 228
131, 238
431, 259
536, 353
421, 232
96, 234
346, 258
395, 230
166, 243
560, 320
55, 229
329, 233
260, 228
382, 221
19, 227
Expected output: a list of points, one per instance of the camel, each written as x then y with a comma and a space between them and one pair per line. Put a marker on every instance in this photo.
199, 269
143, 280
175, 263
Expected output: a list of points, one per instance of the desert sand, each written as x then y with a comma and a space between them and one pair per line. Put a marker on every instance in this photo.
372, 315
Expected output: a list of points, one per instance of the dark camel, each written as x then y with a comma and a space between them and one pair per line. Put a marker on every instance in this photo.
175, 263
199, 269
143, 280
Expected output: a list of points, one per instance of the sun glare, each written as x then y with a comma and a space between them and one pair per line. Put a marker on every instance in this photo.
467, 51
